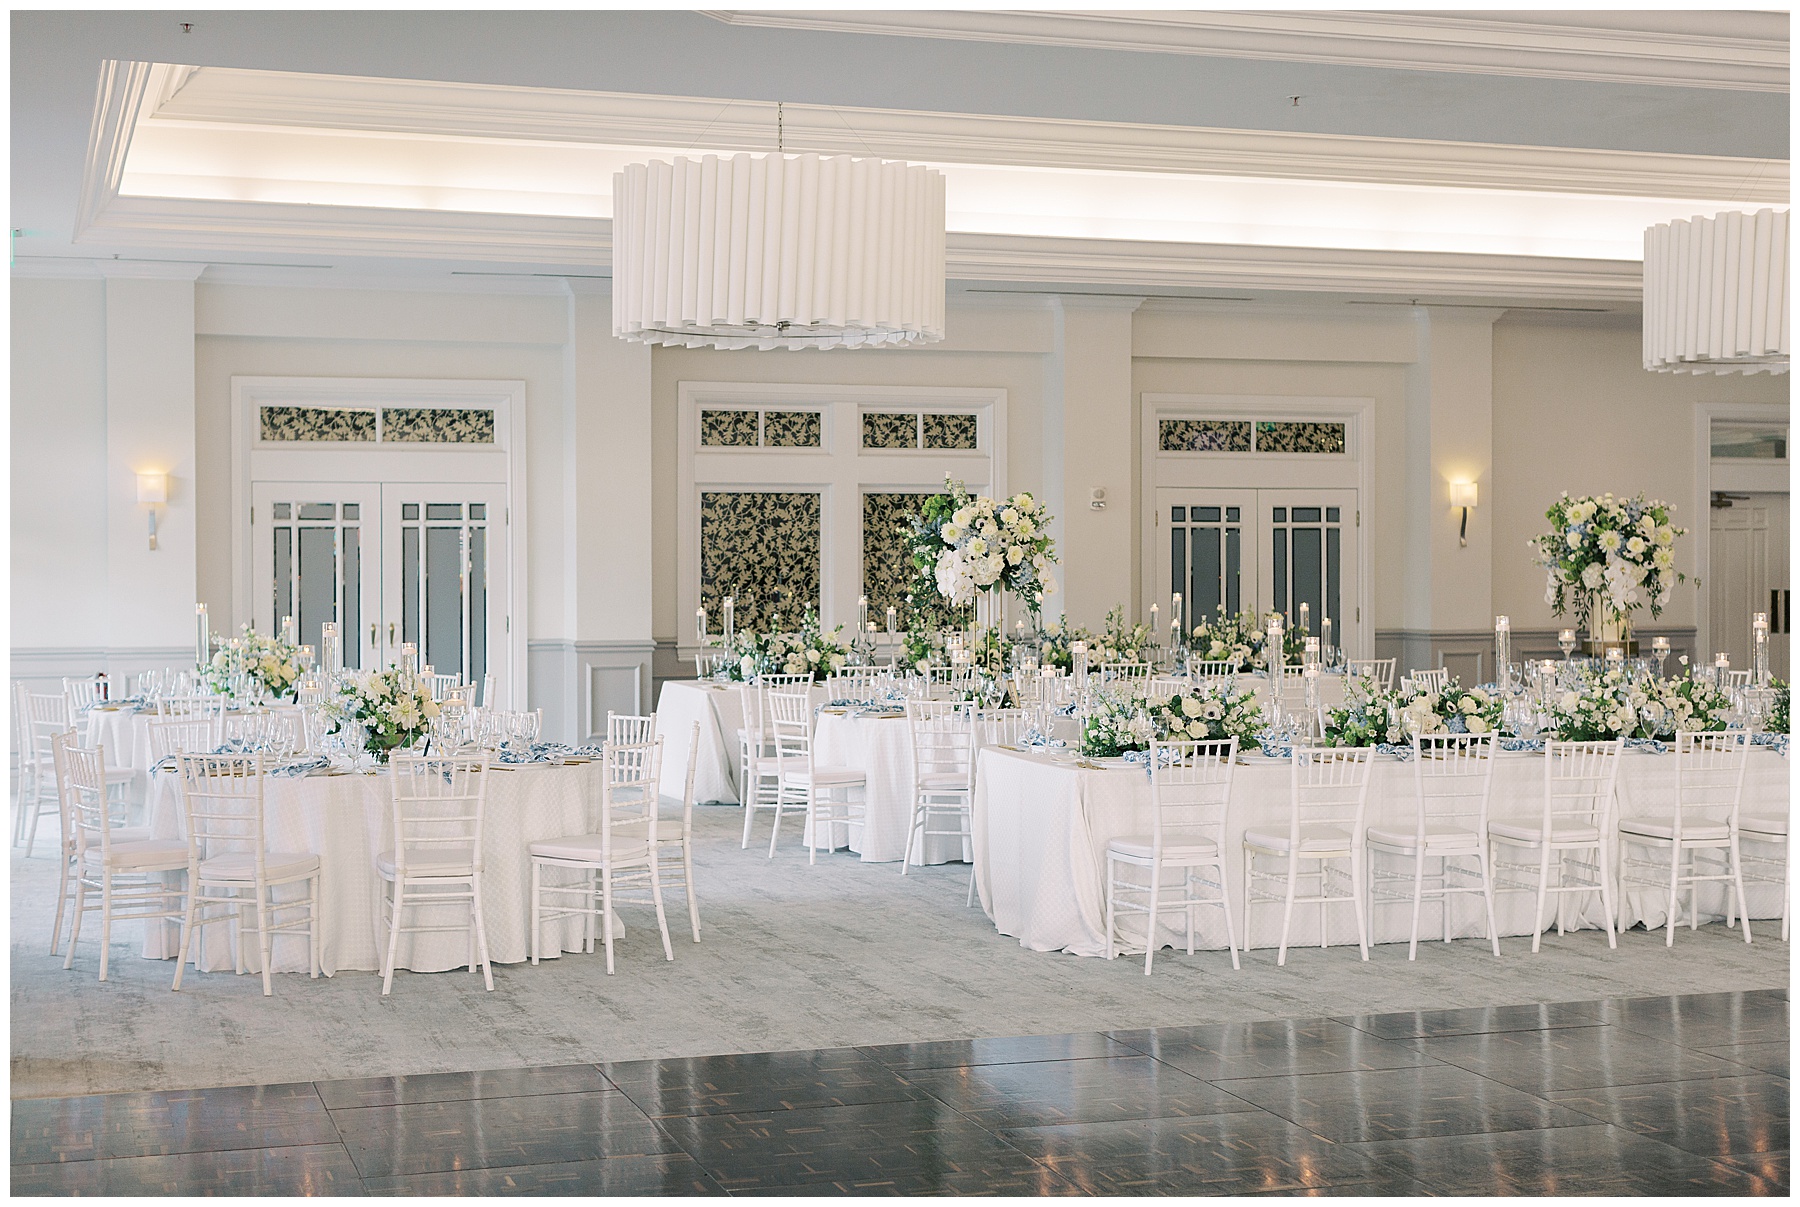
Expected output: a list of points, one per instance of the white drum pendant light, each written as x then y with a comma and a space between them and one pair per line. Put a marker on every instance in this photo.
1715, 294
778, 251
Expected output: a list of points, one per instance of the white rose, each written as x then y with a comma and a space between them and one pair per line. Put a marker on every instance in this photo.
812, 655
962, 517
1015, 554
1009, 517
1570, 701
1477, 725
1470, 704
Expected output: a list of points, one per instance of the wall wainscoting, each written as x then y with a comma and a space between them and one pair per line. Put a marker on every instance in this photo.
577, 683
1469, 653
43, 668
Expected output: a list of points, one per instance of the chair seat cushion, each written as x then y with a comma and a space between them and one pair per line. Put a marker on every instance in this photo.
1314, 836
824, 777
141, 853
1532, 832
587, 848
1437, 834
1693, 829
1180, 852
241, 865
1763, 823
430, 861
948, 781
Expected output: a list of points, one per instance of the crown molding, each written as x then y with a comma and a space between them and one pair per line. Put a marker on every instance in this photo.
229, 96
1751, 60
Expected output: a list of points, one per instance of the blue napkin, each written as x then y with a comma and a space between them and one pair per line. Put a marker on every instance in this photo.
1649, 745
303, 767
1530, 744
1400, 752
1778, 742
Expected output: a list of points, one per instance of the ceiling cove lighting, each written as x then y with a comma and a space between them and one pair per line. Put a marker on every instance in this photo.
1715, 294
778, 251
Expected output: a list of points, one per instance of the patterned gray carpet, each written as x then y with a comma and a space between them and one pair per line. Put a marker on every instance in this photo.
793, 957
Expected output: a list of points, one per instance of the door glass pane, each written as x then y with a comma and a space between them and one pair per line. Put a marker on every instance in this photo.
318, 581
409, 580
1332, 555
1309, 568
1281, 515
1233, 603
1306, 515
1206, 515
478, 614
318, 511
478, 511
443, 598
1231, 513
283, 511
1178, 515
1206, 570
443, 511
1278, 551
350, 632
352, 511
409, 511
1331, 515
1178, 575
284, 572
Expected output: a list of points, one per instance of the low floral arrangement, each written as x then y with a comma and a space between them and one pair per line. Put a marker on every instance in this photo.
1621, 547
270, 661
1209, 713
1120, 642
923, 649
1117, 723
1455, 709
390, 711
1241, 639
967, 543
1366, 718
1777, 721
1057, 639
1599, 709
1666, 707
808, 651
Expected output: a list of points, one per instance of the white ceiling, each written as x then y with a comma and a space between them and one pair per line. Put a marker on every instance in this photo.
455, 154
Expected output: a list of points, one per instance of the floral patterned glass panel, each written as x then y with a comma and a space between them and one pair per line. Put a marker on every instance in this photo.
1204, 435
728, 429
762, 549
1293, 437
886, 519
437, 425
791, 429
317, 423
890, 430
950, 431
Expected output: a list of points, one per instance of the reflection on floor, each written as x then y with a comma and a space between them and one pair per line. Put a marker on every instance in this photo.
1668, 1095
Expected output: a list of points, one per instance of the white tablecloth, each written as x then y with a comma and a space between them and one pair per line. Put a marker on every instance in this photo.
1041, 830
881, 748
348, 819
719, 708
125, 736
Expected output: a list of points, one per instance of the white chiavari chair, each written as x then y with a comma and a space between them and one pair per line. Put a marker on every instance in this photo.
1435, 680
675, 844
1378, 672
1573, 833
827, 796
65, 798
124, 868
47, 716
232, 874
1137, 672
440, 686
32, 768
950, 682
1709, 784
190, 704
82, 694
1765, 861
1003, 726
1211, 668
630, 730
181, 735
943, 751
1190, 792
436, 859
1327, 795
1161, 687
759, 772
623, 843
1454, 777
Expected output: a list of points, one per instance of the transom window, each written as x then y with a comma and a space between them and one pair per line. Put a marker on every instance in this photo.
1252, 436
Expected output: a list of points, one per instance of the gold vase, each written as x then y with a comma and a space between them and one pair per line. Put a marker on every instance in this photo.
1607, 628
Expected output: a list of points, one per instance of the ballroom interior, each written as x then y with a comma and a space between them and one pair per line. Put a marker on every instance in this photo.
358, 328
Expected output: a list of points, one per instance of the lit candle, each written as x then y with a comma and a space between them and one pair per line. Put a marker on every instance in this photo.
1155, 617
893, 617
700, 624
409, 659
728, 628
1325, 633
1502, 624
862, 612
425, 671
1759, 655
1312, 655
1018, 630
1175, 629
328, 647
1306, 618
287, 630
1659, 645
305, 656
203, 640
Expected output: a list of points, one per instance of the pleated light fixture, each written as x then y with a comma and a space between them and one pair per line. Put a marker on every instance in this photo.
778, 251
1715, 294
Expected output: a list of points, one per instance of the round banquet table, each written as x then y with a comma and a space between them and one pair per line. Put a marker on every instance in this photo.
1042, 824
347, 820
719, 708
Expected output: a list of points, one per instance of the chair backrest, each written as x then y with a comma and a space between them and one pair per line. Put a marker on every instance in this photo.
1211, 668
82, 693
1329, 785
783, 682
687, 788
1733, 679
1004, 726
87, 819
181, 735
1379, 672
1454, 773
441, 686
787, 722
22, 722
48, 716
1709, 774
628, 793
1161, 687
1190, 790
954, 674
943, 740
438, 803
222, 795
191, 705
464, 694
1124, 670
629, 729
1578, 781
1432, 680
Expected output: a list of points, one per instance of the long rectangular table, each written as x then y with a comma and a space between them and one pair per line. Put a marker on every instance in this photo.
1041, 828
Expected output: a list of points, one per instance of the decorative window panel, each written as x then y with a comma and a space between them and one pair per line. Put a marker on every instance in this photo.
950, 431
437, 425
1204, 435
340, 424
728, 429
886, 519
762, 549
1283, 436
792, 429
884, 430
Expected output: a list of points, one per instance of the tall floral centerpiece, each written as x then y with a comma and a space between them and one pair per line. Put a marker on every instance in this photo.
379, 711
257, 660
1604, 558
972, 549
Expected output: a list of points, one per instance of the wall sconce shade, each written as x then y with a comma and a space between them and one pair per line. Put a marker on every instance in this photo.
153, 488
1462, 494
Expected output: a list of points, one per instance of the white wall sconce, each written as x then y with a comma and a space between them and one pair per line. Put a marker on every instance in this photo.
152, 489
1462, 494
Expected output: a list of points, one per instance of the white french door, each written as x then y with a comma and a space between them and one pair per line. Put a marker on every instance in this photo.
391, 563
1262, 551
1749, 573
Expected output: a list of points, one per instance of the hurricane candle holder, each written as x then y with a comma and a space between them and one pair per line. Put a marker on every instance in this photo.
1503, 652
1566, 639
203, 640
1659, 650
329, 648
729, 631
1759, 631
